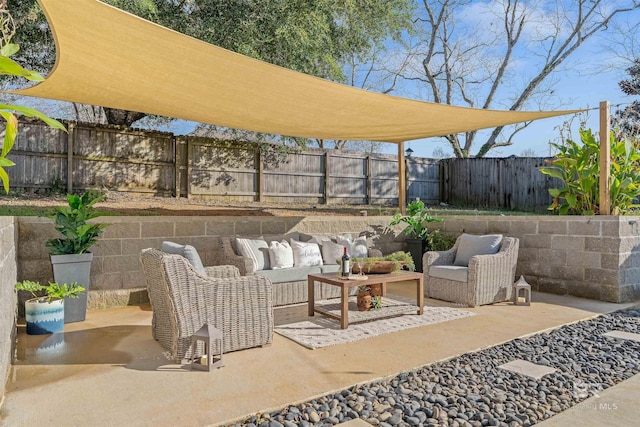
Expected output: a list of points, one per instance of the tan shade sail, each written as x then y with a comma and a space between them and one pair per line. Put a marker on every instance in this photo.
111, 58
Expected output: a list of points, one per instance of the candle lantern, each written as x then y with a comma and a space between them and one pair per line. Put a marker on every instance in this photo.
521, 292
207, 335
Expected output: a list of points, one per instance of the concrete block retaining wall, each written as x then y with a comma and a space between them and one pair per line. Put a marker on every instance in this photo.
596, 257
8, 303
116, 276
592, 257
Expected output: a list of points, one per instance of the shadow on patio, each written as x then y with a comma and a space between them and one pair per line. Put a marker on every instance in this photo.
108, 370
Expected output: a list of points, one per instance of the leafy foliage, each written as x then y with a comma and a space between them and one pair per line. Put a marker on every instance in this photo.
437, 241
71, 222
399, 258
626, 121
9, 67
417, 217
53, 291
578, 167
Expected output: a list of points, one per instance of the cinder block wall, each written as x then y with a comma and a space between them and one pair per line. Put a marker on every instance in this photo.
593, 257
8, 302
596, 257
116, 276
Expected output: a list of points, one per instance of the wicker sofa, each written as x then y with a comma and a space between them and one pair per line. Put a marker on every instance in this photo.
183, 300
289, 284
485, 279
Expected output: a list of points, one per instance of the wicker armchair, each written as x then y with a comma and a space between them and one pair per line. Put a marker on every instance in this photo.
183, 300
486, 280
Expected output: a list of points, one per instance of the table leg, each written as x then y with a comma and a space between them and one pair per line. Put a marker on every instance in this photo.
420, 286
384, 289
344, 308
310, 297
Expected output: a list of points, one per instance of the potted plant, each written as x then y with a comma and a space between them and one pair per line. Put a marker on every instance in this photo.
363, 299
386, 264
69, 255
416, 230
45, 314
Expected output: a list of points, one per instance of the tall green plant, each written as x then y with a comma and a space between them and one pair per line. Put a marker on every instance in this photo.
416, 219
71, 222
578, 167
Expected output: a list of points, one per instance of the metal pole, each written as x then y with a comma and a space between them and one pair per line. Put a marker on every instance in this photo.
402, 183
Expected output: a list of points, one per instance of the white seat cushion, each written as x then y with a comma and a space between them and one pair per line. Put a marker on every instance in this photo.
280, 255
449, 272
306, 254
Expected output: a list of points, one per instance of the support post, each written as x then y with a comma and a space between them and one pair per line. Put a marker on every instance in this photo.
605, 160
71, 136
402, 183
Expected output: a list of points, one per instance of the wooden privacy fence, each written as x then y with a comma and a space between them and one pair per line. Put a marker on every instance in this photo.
512, 183
160, 163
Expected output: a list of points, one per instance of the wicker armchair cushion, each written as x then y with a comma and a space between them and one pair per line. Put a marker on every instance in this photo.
450, 272
471, 245
187, 251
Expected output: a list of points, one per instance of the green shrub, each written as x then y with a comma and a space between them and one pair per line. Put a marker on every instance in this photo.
578, 166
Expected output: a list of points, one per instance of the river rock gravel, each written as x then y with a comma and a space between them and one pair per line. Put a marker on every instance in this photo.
470, 390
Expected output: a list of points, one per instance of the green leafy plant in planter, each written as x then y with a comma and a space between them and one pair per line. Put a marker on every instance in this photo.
45, 314
416, 219
69, 255
578, 167
71, 222
416, 230
397, 260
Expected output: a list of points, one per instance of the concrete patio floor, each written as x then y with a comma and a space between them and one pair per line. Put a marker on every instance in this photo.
108, 370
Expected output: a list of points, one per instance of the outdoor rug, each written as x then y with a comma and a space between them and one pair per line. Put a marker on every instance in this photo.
321, 331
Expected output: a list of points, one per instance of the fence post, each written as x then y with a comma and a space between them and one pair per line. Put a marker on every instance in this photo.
605, 160
71, 135
260, 175
369, 180
177, 161
189, 177
402, 185
326, 177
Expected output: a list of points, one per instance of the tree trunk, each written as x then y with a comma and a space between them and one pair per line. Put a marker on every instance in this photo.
122, 117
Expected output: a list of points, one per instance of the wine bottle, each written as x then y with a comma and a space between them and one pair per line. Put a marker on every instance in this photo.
346, 269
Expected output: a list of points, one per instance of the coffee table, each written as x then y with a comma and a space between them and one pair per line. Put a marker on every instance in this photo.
373, 279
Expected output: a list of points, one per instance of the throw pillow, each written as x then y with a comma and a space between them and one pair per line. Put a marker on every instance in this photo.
280, 255
471, 245
255, 249
305, 254
331, 252
356, 248
187, 251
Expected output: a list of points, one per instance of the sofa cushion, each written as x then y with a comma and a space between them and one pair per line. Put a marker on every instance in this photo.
280, 255
470, 245
293, 274
255, 249
331, 268
331, 252
356, 248
306, 254
187, 251
449, 272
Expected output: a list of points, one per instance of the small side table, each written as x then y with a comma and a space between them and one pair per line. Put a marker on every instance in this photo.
207, 334
521, 292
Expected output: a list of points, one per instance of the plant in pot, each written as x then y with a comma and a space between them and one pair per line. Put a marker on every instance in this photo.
363, 299
69, 255
416, 230
45, 314
386, 264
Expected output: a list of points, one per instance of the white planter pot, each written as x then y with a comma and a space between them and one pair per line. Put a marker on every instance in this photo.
44, 317
73, 268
